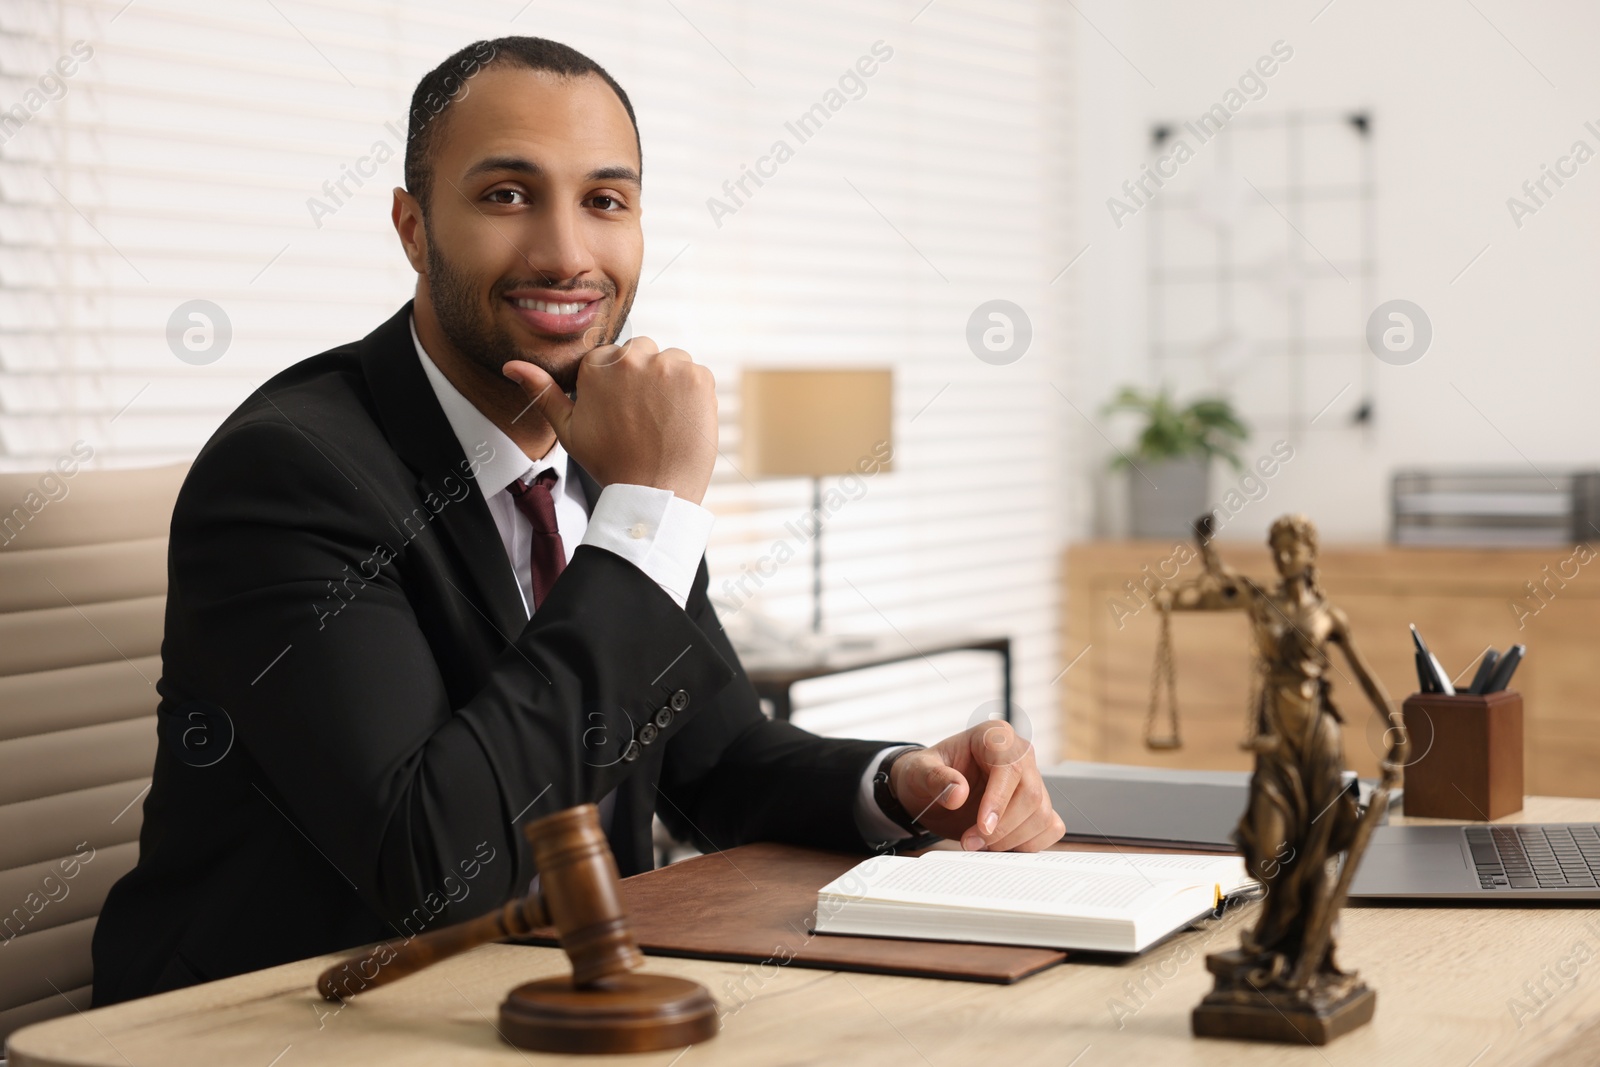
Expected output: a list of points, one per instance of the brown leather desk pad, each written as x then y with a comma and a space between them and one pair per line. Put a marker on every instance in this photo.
756, 903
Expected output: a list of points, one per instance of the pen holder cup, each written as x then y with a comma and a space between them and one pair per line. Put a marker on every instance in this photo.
1466, 755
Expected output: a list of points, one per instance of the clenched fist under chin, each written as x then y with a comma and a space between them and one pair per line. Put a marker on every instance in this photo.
980, 787
640, 415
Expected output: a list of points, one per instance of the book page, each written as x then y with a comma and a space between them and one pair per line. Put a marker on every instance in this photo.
1229, 871
1008, 887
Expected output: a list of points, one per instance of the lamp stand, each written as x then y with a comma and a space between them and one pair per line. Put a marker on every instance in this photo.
816, 556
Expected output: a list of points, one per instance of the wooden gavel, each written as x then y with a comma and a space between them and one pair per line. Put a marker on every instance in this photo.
604, 1006
578, 894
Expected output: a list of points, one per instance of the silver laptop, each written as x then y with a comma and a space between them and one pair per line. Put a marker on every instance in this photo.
1181, 809
1184, 809
1529, 861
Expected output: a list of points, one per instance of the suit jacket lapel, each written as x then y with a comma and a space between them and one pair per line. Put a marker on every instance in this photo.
420, 434
417, 429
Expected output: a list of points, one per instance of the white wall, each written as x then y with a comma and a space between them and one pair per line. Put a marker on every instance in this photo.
1461, 119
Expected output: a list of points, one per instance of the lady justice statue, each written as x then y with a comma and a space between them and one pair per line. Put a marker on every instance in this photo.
1282, 983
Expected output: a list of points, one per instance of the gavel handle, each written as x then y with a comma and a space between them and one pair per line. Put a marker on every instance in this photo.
391, 960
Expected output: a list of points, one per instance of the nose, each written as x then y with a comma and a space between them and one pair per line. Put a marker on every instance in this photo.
557, 248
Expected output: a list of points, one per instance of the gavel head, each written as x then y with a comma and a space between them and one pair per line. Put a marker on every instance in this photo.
581, 895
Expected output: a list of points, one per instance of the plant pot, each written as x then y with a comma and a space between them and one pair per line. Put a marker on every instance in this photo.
1166, 498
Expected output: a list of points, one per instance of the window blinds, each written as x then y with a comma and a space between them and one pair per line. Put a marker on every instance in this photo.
194, 151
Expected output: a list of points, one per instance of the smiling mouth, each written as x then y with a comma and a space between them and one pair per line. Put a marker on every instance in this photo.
556, 318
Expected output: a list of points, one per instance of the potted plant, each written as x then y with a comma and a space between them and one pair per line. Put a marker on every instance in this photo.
1170, 484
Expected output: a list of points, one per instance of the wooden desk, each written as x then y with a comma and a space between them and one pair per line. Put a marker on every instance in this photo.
1446, 978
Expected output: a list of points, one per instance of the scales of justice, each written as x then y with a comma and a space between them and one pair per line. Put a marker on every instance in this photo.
1282, 982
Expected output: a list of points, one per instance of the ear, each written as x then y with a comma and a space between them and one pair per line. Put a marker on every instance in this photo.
406, 214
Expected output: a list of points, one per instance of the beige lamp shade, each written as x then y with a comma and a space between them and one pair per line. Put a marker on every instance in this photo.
815, 423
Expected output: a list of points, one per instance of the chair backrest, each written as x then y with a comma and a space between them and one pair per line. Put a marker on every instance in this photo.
83, 581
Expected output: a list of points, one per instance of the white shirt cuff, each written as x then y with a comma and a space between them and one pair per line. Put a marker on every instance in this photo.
657, 531
875, 827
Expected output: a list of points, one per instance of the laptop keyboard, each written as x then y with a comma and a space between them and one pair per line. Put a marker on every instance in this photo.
1536, 857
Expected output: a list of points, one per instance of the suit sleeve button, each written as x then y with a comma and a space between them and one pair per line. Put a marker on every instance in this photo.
630, 753
679, 701
647, 733
663, 718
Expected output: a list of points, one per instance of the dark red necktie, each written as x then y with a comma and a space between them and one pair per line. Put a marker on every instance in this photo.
547, 556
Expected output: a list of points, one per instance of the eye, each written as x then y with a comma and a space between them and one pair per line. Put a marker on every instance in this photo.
497, 196
607, 203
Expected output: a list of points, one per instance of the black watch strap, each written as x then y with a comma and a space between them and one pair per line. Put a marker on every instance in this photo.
890, 805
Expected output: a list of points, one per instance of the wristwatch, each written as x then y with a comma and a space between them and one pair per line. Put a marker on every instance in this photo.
890, 805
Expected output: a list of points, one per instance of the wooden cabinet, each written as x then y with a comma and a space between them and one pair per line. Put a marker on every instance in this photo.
1462, 600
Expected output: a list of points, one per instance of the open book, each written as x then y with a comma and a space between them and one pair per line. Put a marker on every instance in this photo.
1095, 901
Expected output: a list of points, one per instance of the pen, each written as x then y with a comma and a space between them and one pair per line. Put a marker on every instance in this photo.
1485, 671
1424, 673
1506, 668
1441, 680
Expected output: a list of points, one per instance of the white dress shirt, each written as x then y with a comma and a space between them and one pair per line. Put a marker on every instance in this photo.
657, 531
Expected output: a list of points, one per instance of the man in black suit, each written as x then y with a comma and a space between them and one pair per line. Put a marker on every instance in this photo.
371, 676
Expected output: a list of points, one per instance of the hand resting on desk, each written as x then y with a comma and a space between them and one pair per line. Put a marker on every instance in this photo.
980, 787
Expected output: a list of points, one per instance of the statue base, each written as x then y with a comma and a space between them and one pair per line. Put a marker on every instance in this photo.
1240, 1008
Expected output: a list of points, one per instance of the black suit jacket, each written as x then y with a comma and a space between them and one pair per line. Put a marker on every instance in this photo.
356, 715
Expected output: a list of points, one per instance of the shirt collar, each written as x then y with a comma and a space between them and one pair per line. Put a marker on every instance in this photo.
472, 428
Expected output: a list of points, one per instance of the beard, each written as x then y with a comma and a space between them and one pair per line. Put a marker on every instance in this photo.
485, 342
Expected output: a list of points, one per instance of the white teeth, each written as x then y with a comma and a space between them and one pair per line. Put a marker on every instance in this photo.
550, 308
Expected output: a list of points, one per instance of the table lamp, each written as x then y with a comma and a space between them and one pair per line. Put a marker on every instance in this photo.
815, 424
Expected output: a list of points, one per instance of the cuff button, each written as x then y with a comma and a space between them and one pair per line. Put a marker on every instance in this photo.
647, 733
679, 701
631, 753
663, 718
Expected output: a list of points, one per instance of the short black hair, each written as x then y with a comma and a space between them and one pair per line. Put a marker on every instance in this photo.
439, 87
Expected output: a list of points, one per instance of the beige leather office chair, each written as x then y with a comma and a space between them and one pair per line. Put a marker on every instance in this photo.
83, 579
